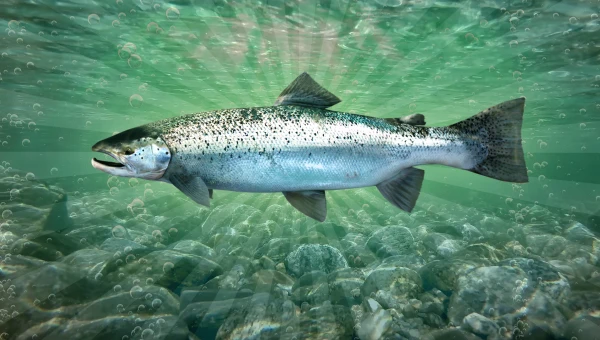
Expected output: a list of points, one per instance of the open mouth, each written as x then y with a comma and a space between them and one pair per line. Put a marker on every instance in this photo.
106, 165
110, 164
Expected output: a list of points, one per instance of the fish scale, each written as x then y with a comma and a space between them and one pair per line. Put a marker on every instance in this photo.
300, 148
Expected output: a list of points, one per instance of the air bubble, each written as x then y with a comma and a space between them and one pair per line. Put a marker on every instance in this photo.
136, 100
172, 13
25, 142
119, 231
93, 19
134, 61
136, 292
156, 303
167, 267
116, 23
53, 171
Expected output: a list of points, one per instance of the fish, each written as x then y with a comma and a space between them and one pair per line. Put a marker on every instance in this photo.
301, 148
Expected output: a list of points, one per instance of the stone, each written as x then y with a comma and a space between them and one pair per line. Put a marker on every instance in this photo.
312, 288
502, 293
113, 245
310, 257
583, 328
204, 311
149, 300
554, 246
375, 322
542, 275
480, 325
194, 248
412, 261
345, 286
166, 268
166, 327
450, 334
392, 287
578, 233
443, 274
390, 241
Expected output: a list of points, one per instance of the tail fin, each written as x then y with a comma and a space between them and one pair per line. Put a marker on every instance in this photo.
499, 130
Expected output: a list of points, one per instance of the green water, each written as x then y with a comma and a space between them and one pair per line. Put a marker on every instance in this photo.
75, 72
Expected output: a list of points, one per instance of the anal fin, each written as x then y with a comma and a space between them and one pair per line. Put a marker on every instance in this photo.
193, 187
311, 203
403, 189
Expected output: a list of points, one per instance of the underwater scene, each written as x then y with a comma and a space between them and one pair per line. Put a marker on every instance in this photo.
299, 169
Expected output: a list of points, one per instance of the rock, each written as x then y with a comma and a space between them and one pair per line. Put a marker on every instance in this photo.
148, 300
450, 334
205, 311
482, 252
470, 233
194, 248
312, 288
542, 275
113, 245
443, 274
345, 285
93, 235
276, 249
310, 257
480, 325
503, 293
390, 241
433, 240
114, 327
412, 261
392, 287
267, 263
87, 260
358, 256
584, 302
433, 302
554, 246
165, 268
578, 233
583, 328
536, 243
375, 322
448, 248
270, 278
262, 316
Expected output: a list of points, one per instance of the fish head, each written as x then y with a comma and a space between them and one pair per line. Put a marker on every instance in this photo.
138, 154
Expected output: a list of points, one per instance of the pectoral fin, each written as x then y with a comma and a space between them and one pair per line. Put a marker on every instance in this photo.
304, 91
403, 189
311, 203
192, 187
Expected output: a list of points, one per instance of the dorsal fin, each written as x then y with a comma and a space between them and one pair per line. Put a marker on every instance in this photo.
414, 119
304, 91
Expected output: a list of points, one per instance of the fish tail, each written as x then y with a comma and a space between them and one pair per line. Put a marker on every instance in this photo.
498, 131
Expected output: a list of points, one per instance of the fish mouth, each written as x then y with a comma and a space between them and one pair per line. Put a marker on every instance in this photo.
107, 163
113, 168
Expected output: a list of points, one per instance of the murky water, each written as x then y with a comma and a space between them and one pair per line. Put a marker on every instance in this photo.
86, 255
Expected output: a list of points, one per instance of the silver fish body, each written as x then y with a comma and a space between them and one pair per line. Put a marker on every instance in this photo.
294, 148
300, 148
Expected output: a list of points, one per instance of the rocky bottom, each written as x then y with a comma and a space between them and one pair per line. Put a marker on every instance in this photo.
88, 266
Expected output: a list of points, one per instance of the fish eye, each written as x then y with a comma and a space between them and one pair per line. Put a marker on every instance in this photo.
128, 151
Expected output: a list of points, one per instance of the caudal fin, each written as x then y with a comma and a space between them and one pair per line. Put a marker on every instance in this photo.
499, 130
